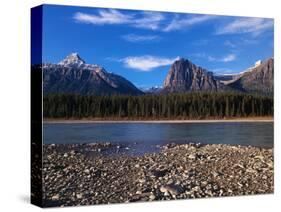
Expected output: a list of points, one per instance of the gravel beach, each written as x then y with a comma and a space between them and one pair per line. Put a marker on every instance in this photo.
86, 174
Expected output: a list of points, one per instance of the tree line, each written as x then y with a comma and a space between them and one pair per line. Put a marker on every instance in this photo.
170, 106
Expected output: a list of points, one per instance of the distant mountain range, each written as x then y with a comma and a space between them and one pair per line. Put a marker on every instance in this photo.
74, 75
153, 90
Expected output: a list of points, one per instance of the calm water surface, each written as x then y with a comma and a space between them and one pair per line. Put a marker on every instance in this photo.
145, 136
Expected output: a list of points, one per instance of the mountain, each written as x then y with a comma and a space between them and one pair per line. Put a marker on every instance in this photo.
184, 76
74, 75
258, 79
153, 90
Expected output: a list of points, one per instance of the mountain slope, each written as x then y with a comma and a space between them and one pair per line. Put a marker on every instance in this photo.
258, 79
184, 76
73, 75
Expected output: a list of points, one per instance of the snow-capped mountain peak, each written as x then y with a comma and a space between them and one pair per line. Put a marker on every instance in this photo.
72, 60
74, 75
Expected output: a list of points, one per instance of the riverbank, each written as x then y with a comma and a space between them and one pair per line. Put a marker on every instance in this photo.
83, 174
250, 119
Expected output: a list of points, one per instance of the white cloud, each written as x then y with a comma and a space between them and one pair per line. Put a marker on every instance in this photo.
104, 17
255, 26
145, 20
147, 62
180, 23
240, 43
228, 58
140, 38
149, 20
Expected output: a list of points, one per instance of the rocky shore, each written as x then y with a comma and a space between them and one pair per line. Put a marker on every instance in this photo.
83, 174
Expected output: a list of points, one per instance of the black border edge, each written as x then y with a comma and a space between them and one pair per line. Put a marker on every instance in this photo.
36, 106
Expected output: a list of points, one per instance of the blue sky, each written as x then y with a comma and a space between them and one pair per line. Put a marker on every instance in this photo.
141, 45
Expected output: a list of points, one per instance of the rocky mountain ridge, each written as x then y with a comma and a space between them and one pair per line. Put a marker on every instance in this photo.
185, 76
74, 75
258, 79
